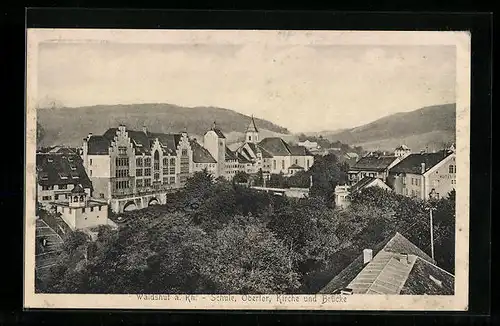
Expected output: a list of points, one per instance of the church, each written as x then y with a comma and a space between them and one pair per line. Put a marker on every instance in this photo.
272, 155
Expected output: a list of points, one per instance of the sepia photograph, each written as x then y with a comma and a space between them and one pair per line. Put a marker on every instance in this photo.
247, 169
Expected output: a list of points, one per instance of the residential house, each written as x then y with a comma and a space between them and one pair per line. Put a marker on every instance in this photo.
310, 145
215, 142
402, 151
57, 173
343, 192
203, 160
394, 266
419, 174
375, 166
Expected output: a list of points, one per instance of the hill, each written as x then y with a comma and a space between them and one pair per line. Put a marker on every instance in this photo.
68, 126
430, 126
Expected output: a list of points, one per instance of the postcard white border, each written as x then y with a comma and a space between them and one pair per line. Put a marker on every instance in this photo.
457, 302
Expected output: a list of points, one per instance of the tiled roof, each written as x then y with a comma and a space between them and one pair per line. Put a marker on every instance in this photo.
427, 278
265, 153
98, 145
299, 151
201, 154
141, 141
230, 156
373, 163
77, 189
275, 146
295, 166
383, 254
413, 162
218, 132
361, 184
242, 159
57, 169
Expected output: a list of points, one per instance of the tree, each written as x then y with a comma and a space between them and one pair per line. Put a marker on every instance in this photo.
278, 181
301, 179
241, 177
247, 258
326, 175
259, 179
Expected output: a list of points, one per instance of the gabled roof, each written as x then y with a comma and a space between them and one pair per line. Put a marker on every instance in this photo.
413, 162
252, 127
387, 249
265, 153
98, 145
77, 189
275, 146
201, 154
373, 163
142, 142
361, 184
230, 156
242, 159
58, 169
403, 148
299, 151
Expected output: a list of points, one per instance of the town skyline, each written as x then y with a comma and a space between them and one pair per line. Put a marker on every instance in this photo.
291, 85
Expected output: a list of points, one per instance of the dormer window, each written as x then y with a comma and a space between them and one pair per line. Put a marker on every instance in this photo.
63, 176
50, 160
44, 177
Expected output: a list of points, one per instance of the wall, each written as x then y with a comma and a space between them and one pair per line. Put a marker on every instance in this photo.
99, 165
92, 216
441, 179
279, 168
68, 215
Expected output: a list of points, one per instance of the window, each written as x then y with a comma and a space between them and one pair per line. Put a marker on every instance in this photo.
63, 186
403, 180
70, 210
121, 173
437, 195
101, 195
122, 161
157, 176
90, 162
172, 180
282, 164
138, 161
122, 150
46, 197
274, 164
138, 183
451, 169
147, 172
56, 197
296, 161
100, 208
249, 138
147, 161
91, 209
412, 181
83, 210
165, 161
184, 152
90, 172
308, 163
138, 172
47, 187
453, 181
147, 182
75, 199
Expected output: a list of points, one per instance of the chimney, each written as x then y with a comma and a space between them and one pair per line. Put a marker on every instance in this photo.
90, 135
423, 167
310, 181
367, 256
144, 129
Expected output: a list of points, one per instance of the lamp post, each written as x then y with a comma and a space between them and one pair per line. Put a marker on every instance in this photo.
430, 208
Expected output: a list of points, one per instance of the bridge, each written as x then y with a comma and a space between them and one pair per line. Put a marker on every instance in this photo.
135, 201
288, 192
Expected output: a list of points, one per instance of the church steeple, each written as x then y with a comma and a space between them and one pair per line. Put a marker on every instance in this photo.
252, 133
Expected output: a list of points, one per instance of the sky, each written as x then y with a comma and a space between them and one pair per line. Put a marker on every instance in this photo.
303, 87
